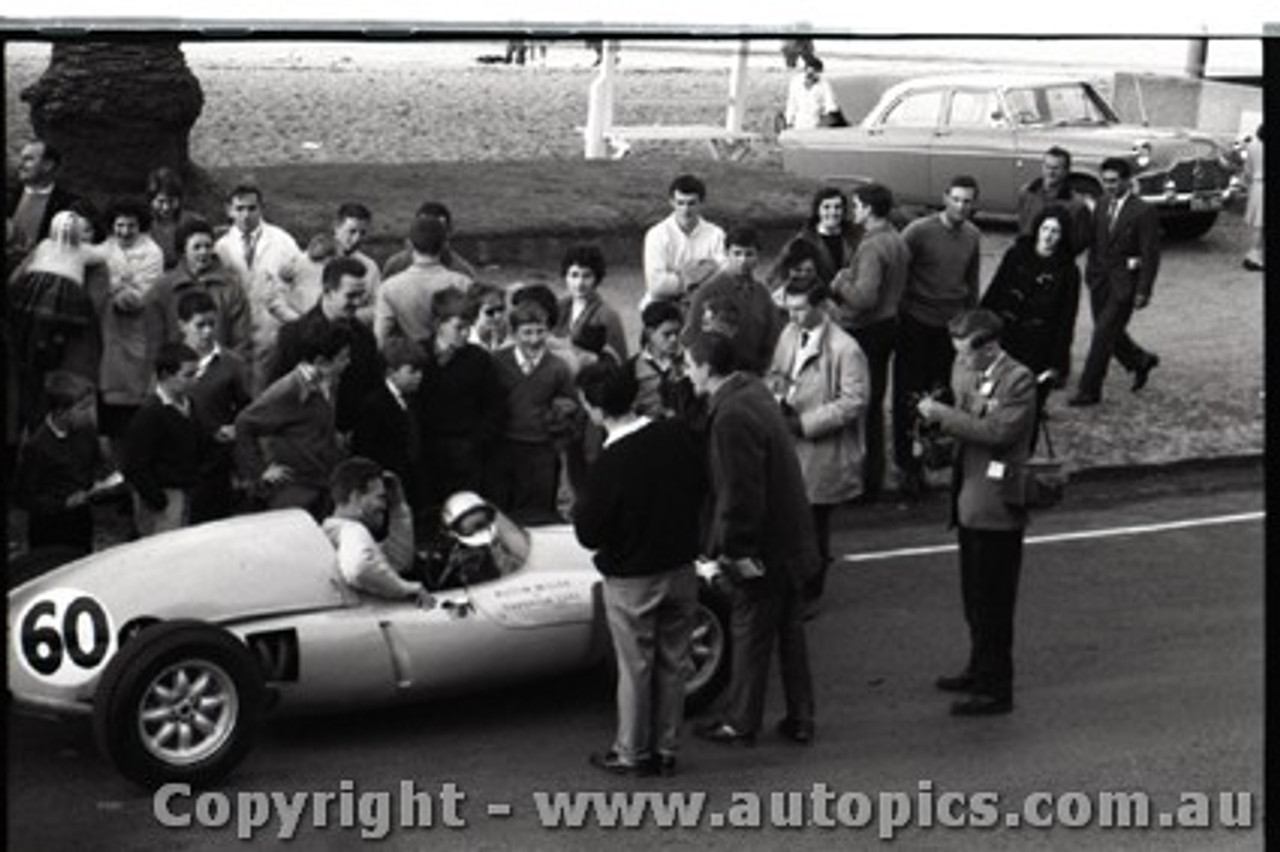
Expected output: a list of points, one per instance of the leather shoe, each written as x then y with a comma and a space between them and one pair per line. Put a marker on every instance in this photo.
797, 730
612, 763
1143, 373
725, 734
1251, 265
954, 683
982, 705
663, 765
1080, 400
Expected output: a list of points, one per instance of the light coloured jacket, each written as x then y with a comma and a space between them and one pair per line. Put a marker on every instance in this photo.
829, 392
993, 421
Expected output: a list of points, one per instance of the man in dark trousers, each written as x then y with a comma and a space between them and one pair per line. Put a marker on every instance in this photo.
639, 511
345, 292
993, 421
942, 281
387, 429
1124, 258
758, 526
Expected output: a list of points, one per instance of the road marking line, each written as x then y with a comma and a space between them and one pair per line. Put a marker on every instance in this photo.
1218, 520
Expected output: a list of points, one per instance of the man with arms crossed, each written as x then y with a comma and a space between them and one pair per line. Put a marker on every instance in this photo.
682, 250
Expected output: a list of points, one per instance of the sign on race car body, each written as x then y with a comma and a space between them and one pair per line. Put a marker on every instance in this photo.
64, 637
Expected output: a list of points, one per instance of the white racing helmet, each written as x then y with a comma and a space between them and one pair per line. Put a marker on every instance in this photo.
469, 518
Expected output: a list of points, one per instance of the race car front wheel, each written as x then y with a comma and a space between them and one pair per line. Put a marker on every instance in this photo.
183, 701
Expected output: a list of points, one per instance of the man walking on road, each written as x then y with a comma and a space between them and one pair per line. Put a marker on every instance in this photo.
639, 511
1124, 258
759, 529
993, 421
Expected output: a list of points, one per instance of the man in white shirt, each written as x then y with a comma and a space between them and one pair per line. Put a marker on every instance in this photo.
809, 97
258, 253
367, 499
683, 250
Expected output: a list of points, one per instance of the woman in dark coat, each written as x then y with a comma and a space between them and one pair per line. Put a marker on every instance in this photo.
1036, 291
830, 230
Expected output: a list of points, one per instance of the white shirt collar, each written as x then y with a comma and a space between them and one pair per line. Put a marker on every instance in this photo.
207, 360
183, 406
60, 434
526, 364
395, 393
629, 428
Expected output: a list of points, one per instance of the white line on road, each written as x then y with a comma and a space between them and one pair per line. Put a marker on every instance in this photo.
1112, 532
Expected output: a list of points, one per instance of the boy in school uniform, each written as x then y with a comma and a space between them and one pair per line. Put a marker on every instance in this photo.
164, 445
219, 393
56, 466
541, 407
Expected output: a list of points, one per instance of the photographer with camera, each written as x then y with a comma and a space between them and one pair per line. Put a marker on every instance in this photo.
992, 421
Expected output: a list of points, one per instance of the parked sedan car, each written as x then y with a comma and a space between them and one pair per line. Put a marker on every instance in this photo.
177, 645
996, 127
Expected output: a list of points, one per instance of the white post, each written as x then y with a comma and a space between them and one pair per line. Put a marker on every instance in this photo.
737, 89
600, 104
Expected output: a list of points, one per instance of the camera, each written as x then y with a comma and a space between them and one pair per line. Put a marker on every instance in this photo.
929, 446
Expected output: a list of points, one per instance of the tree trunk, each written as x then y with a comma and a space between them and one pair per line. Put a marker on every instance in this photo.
116, 111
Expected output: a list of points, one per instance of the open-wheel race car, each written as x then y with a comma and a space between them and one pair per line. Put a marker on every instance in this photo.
178, 645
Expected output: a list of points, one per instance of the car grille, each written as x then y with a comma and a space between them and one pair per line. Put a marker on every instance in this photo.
1189, 176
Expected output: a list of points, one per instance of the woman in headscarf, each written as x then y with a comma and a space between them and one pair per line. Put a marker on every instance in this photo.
50, 314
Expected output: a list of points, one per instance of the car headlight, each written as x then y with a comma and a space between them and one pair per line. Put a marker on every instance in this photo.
1142, 154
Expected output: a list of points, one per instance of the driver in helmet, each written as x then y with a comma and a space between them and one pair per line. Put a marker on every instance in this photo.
480, 543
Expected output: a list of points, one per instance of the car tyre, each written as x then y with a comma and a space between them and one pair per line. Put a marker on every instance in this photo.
1192, 226
709, 650
181, 702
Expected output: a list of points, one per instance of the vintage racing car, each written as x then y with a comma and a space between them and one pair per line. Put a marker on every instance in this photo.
996, 127
178, 644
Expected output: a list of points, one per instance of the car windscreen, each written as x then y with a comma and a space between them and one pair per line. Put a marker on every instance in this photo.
1057, 105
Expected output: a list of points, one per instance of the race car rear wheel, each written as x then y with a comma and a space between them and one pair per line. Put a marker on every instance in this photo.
183, 701
708, 651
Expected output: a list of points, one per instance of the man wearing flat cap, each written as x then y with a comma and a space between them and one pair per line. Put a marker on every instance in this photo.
993, 421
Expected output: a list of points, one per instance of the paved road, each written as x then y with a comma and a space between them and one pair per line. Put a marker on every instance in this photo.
1140, 669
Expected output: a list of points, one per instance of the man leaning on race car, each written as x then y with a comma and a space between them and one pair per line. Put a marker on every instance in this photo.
367, 500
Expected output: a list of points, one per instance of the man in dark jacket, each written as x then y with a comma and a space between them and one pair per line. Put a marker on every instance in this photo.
758, 526
345, 292
639, 511
33, 201
1124, 258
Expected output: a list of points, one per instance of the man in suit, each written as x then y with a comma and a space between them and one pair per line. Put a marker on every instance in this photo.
1124, 258
758, 527
33, 201
993, 421
345, 293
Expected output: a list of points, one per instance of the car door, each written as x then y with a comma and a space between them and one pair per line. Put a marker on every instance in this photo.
898, 144
543, 617
975, 137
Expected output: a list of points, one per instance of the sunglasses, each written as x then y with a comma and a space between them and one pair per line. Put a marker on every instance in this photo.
494, 311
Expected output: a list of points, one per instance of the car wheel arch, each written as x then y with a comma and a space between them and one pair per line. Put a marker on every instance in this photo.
230, 705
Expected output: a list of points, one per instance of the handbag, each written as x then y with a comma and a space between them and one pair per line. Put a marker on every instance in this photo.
1044, 477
